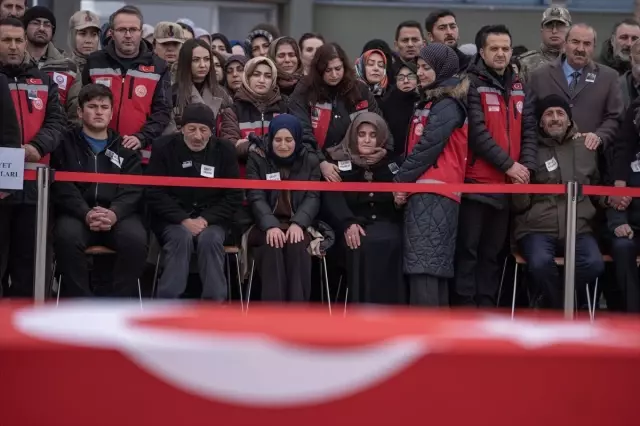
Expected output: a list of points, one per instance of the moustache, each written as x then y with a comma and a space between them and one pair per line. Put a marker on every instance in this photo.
580, 54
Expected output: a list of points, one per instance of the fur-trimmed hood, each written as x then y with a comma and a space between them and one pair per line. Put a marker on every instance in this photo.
455, 87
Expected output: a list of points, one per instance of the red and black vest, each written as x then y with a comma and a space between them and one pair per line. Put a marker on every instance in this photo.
451, 164
321, 115
132, 89
30, 95
503, 118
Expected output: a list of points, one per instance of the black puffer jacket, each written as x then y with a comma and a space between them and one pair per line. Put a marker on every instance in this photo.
482, 143
305, 204
397, 109
172, 205
10, 137
431, 221
340, 117
77, 199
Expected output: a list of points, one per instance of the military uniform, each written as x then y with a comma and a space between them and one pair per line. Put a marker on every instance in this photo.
169, 32
533, 59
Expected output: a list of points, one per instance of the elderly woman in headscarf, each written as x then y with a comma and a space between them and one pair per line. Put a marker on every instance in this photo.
279, 238
371, 69
436, 153
370, 222
285, 53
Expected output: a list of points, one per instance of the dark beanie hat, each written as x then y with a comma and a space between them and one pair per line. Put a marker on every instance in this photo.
552, 101
200, 114
442, 59
37, 12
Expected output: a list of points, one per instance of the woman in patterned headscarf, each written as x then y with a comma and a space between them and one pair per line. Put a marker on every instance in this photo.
371, 68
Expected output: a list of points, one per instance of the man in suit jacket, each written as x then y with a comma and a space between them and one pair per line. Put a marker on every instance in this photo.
591, 89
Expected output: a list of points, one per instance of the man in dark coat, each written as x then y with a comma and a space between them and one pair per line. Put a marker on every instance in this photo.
40, 115
539, 225
441, 27
97, 214
193, 220
503, 146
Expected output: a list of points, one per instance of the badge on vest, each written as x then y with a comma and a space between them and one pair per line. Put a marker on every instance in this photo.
393, 167
344, 166
32, 94
551, 164
115, 159
494, 109
141, 91
635, 166
273, 176
37, 104
419, 129
104, 81
61, 80
186, 164
519, 106
492, 99
591, 77
207, 171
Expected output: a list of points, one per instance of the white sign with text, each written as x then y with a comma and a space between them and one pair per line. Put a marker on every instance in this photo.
11, 168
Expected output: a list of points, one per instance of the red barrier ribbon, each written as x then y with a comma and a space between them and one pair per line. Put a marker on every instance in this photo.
304, 185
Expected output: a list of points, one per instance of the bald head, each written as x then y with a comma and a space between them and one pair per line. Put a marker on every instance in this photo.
580, 45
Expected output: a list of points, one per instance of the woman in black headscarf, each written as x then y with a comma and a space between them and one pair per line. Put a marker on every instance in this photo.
279, 238
370, 222
436, 153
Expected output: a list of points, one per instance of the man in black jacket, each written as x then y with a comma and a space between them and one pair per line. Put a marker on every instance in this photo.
503, 148
97, 214
40, 118
188, 220
441, 27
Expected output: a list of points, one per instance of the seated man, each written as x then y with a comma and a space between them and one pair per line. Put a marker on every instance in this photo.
193, 219
539, 224
91, 214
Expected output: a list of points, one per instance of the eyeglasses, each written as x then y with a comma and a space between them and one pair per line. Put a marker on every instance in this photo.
407, 77
124, 31
38, 23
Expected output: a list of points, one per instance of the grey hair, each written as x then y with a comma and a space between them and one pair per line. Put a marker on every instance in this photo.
586, 26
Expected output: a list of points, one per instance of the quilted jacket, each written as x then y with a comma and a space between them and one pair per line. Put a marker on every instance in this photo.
430, 220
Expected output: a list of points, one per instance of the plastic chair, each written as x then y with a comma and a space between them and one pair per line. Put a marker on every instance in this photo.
94, 251
229, 251
323, 269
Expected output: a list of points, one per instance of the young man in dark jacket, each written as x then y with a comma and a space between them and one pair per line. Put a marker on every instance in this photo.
188, 220
503, 147
139, 80
40, 117
97, 214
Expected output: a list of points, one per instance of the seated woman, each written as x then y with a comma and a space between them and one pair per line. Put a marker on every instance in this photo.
369, 220
279, 238
255, 104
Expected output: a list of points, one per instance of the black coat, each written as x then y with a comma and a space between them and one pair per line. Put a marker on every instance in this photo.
344, 209
10, 136
623, 152
172, 205
397, 109
76, 198
482, 143
340, 117
305, 204
431, 221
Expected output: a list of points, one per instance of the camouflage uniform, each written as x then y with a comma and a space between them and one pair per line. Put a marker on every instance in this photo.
169, 32
533, 59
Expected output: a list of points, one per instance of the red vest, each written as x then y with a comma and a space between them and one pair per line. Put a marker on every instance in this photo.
321, 119
451, 163
503, 118
64, 80
30, 96
132, 98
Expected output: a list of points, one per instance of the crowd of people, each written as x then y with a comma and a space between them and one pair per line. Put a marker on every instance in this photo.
176, 101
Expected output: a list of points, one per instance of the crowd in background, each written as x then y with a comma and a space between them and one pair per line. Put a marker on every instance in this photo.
174, 100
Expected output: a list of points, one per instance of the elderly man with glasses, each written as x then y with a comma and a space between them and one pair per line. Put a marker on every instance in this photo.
139, 80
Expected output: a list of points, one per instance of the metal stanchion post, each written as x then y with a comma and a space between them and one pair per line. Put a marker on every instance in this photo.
42, 223
570, 251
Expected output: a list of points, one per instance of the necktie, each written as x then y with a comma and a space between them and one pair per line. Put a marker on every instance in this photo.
574, 81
